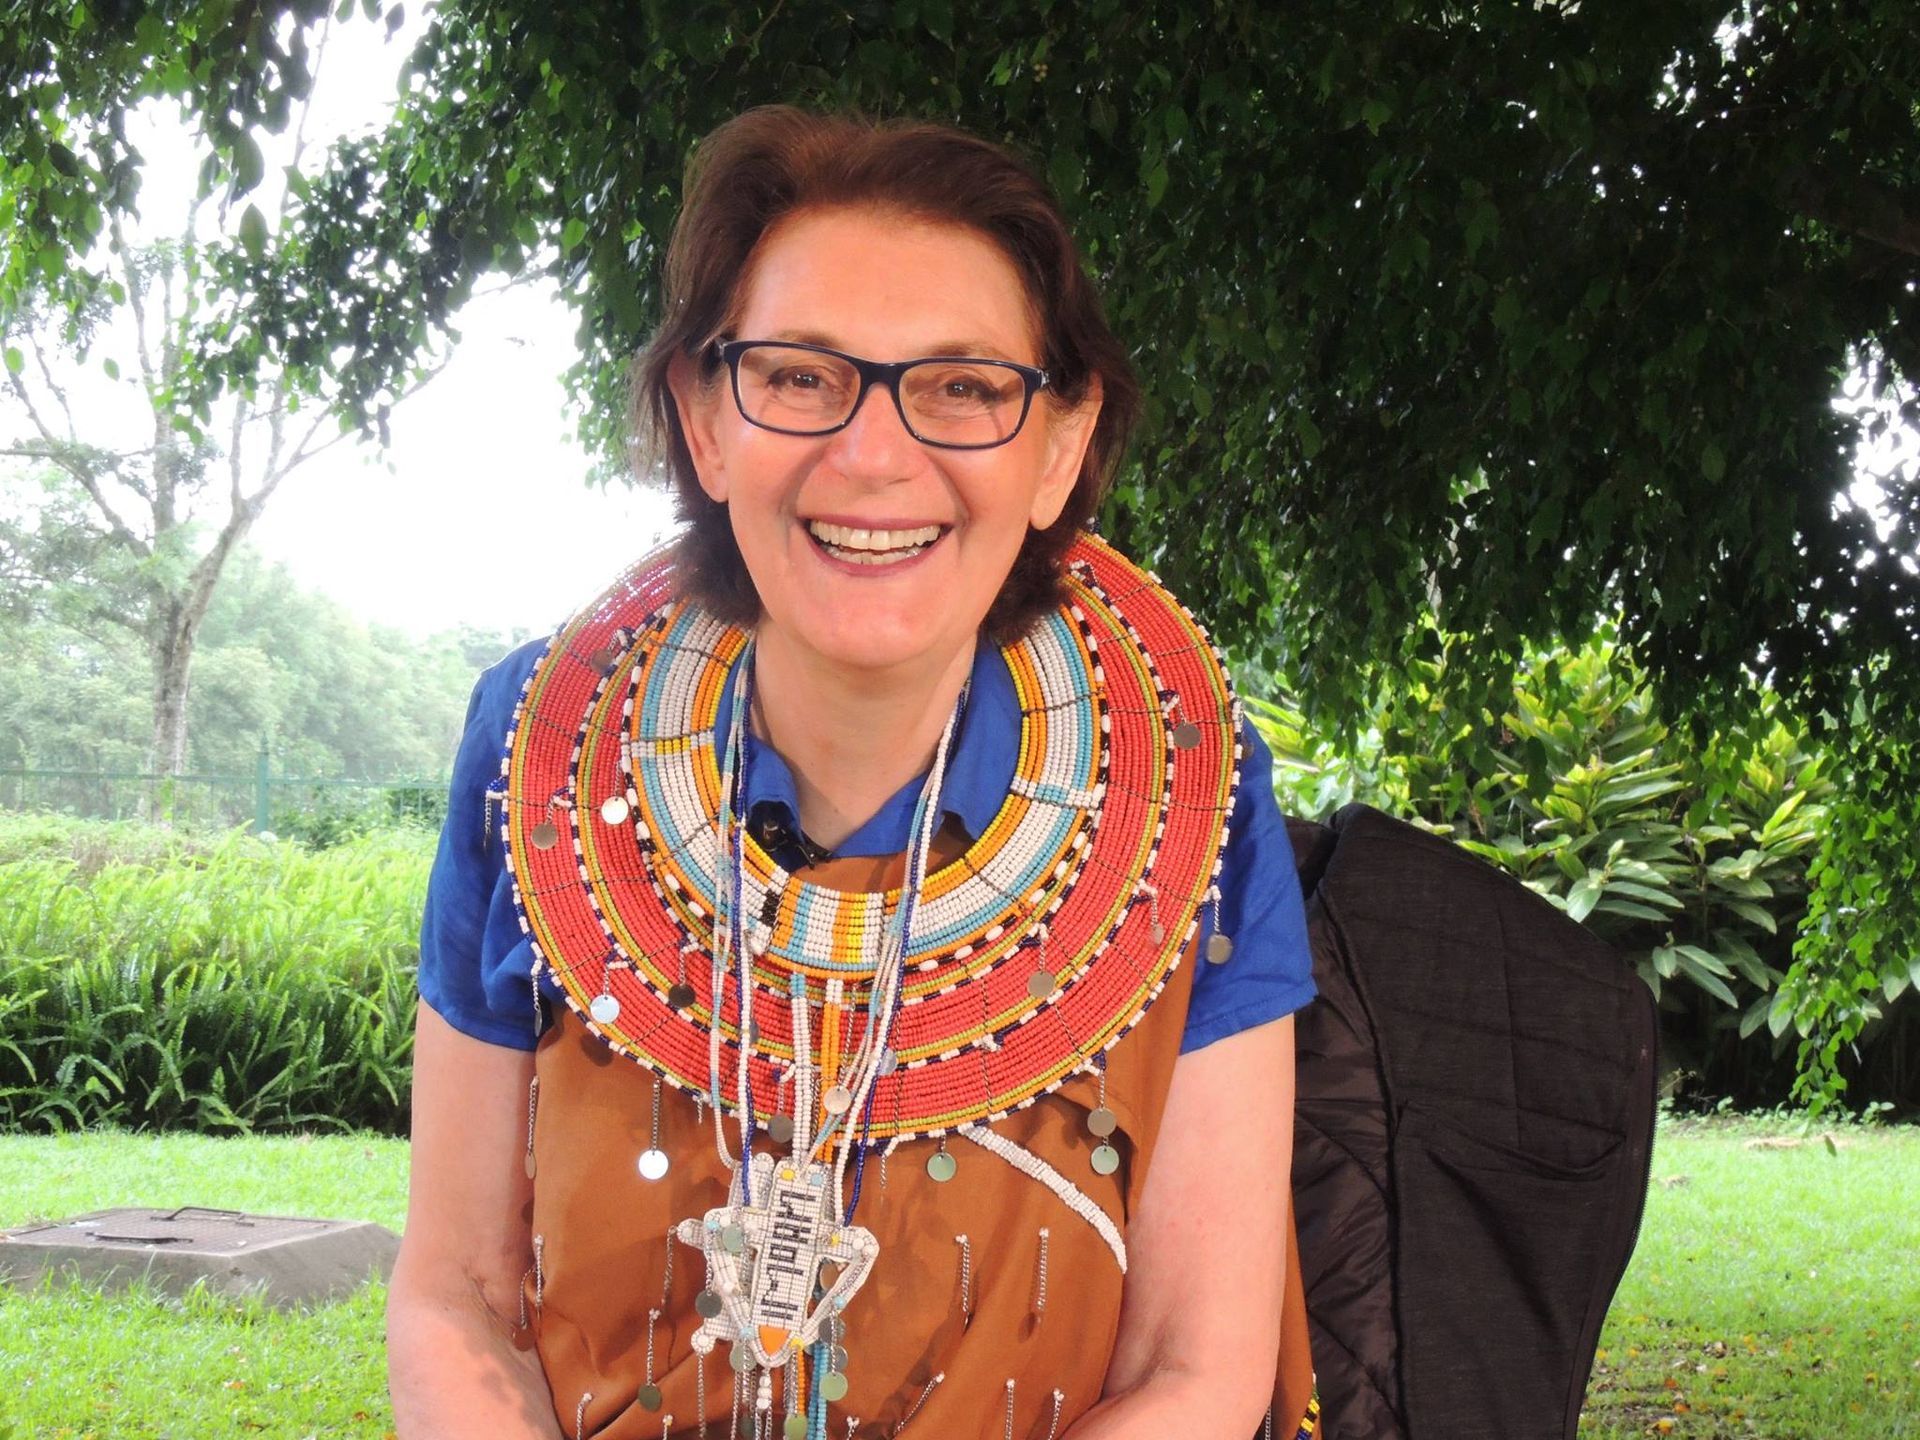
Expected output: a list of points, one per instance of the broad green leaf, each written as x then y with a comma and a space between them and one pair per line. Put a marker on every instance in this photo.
1157, 178
1704, 959
249, 166
1706, 978
1630, 908
1753, 914
1584, 895
1650, 893
253, 231
1713, 461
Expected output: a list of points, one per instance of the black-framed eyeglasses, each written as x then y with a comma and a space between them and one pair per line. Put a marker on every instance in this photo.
957, 402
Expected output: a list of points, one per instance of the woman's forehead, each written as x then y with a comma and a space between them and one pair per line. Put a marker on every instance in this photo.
886, 286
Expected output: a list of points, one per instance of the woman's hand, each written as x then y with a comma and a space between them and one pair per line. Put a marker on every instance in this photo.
1200, 1314
454, 1299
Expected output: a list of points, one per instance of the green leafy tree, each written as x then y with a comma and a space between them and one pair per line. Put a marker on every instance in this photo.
1526, 313
336, 698
143, 534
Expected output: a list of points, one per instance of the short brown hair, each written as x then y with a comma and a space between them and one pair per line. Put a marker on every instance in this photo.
769, 163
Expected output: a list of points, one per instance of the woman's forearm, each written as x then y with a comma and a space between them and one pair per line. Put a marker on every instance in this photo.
454, 1373
1174, 1402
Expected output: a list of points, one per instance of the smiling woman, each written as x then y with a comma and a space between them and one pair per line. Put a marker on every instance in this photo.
912, 934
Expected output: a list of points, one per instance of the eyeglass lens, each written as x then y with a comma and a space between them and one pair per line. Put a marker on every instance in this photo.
955, 402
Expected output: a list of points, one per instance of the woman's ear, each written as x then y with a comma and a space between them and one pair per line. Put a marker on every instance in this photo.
1069, 432
697, 402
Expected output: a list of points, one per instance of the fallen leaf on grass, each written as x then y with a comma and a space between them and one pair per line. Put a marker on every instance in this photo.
1834, 1143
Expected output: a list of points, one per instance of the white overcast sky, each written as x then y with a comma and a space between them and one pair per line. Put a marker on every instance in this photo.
479, 511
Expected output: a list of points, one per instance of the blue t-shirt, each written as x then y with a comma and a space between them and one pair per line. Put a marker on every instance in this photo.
476, 964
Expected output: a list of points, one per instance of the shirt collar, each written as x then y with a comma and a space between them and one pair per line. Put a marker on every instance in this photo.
980, 767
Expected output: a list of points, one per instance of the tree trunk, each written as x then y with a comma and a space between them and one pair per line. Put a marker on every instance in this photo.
172, 665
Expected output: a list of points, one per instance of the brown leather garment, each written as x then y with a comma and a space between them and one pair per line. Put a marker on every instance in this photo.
919, 1357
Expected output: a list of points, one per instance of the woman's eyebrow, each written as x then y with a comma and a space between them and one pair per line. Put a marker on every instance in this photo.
969, 349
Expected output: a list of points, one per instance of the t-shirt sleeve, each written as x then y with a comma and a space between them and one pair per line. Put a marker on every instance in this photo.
468, 930
1270, 971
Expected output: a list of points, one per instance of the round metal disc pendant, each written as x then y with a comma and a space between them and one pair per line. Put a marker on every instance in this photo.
707, 1304
1040, 985
837, 1359
780, 1129
1186, 735
1219, 949
834, 1387
614, 809
838, 1100
794, 1427
603, 658
733, 1239
741, 1357
680, 996
889, 1062
653, 1164
604, 1008
1106, 1159
649, 1397
941, 1166
1159, 933
545, 835
1102, 1122
531, 1167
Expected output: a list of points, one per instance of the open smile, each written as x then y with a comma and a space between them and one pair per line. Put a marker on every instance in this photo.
856, 545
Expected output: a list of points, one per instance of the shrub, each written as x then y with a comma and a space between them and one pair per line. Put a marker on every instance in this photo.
152, 982
1691, 858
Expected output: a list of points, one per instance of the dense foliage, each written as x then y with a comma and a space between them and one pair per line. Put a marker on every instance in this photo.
1527, 312
241, 986
1692, 859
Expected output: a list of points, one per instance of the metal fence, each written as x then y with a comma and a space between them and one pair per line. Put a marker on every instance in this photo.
263, 801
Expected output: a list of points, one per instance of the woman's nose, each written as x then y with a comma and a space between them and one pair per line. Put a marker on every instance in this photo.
875, 441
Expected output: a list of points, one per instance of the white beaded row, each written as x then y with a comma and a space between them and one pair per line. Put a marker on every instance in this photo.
1070, 1194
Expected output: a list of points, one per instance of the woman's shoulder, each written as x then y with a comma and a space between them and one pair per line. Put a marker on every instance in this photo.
497, 691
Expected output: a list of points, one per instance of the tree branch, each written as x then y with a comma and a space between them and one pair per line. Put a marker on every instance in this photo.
136, 302
1858, 207
66, 456
53, 386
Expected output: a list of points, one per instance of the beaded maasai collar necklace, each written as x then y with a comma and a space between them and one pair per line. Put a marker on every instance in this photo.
870, 1018
1034, 951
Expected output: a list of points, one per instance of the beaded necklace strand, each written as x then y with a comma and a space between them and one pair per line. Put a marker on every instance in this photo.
736, 948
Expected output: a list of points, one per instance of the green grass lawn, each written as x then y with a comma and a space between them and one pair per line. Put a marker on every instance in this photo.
1775, 1294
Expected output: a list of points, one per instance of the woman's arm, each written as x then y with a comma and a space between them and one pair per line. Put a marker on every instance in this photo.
453, 1301
1200, 1315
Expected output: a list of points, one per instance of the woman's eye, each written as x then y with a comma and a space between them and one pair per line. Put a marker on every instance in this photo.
960, 387
796, 380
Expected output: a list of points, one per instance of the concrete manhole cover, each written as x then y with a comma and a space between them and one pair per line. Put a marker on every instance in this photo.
286, 1260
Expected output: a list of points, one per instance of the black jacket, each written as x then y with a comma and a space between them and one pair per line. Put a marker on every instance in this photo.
1473, 1135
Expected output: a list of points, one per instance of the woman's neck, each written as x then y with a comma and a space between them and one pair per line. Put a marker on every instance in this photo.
851, 737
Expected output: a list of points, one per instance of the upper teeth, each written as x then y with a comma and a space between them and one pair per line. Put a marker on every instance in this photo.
846, 537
